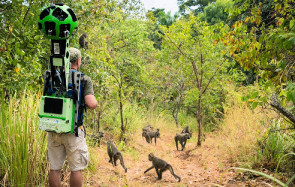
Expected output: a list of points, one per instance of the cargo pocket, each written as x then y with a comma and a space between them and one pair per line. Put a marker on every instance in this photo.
84, 158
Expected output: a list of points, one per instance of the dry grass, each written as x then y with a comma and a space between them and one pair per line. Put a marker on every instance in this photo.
237, 137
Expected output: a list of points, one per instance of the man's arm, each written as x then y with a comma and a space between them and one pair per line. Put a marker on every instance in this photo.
90, 101
89, 98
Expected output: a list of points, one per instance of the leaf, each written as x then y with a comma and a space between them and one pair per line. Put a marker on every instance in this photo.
293, 96
292, 22
292, 41
22, 53
37, 37
264, 175
254, 105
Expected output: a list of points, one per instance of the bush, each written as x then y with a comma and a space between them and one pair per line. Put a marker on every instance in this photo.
272, 148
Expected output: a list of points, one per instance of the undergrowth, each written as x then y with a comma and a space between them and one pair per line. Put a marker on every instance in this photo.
22, 145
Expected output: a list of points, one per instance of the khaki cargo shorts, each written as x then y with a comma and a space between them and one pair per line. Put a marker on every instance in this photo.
62, 145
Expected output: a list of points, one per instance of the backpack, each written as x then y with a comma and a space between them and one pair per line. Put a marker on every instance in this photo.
63, 113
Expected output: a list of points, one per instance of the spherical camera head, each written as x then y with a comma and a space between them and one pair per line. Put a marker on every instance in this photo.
57, 22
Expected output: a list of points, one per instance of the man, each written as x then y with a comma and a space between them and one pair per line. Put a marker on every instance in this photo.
70, 145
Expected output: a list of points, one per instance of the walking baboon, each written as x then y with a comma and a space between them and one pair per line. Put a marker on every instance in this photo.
115, 154
147, 128
182, 138
150, 135
82, 41
161, 166
186, 130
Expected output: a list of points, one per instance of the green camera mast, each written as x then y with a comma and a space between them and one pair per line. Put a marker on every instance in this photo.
60, 102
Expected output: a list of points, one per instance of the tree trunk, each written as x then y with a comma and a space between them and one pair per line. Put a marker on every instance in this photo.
199, 119
175, 115
98, 120
277, 105
121, 116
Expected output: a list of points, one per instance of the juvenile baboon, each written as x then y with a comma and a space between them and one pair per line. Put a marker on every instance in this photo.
161, 166
150, 135
82, 41
182, 138
186, 130
115, 154
96, 138
147, 128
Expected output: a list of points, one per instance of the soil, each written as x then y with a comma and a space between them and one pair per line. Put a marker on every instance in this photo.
197, 166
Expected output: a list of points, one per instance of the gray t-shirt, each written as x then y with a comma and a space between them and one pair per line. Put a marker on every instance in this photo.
88, 89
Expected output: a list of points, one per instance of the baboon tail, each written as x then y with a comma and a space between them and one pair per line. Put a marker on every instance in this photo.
172, 172
122, 163
177, 178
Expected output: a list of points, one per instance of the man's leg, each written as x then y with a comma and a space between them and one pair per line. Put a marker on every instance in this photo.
56, 156
76, 179
54, 178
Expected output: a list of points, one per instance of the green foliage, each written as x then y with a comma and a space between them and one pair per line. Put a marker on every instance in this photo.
159, 17
196, 6
164, 18
262, 37
267, 176
217, 12
200, 61
290, 92
255, 98
22, 47
273, 147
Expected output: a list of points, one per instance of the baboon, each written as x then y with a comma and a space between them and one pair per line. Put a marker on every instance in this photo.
186, 130
150, 135
82, 41
161, 166
182, 138
147, 128
115, 154
96, 137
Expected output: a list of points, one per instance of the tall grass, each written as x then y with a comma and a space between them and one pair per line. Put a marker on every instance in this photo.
273, 147
22, 144
237, 134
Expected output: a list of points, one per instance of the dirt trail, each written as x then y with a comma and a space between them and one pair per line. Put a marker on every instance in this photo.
201, 166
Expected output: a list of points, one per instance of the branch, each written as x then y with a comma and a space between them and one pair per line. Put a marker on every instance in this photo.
277, 105
116, 79
282, 129
195, 69
29, 7
212, 77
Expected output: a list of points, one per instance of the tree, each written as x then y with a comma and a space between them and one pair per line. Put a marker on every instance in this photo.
191, 43
23, 49
263, 40
196, 6
159, 17
217, 12
128, 48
